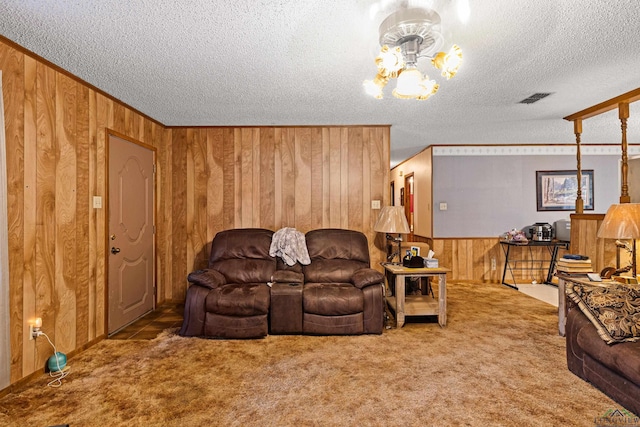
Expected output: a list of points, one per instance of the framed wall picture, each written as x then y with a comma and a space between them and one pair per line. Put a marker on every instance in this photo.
557, 190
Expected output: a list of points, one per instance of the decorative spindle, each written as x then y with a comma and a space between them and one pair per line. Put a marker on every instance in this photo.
623, 113
577, 129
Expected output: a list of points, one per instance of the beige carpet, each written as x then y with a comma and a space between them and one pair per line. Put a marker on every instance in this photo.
499, 362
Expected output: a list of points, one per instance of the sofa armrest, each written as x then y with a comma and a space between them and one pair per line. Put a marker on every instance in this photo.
367, 277
207, 278
287, 276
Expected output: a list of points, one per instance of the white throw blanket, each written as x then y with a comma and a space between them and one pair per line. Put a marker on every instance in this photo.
290, 245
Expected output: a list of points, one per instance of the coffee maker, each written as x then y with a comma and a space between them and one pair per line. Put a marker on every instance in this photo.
541, 232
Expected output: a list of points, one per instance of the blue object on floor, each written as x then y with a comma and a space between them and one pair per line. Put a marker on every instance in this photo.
57, 362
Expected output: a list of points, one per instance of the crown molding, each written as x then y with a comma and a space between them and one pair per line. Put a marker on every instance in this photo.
532, 150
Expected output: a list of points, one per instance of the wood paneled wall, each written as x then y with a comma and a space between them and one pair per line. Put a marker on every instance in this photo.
273, 177
585, 241
208, 179
421, 166
471, 259
55, 133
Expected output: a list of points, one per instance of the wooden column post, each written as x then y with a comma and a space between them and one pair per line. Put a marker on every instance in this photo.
623, 114
577, 129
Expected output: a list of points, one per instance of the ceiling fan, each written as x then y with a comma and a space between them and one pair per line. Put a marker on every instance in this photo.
407, 35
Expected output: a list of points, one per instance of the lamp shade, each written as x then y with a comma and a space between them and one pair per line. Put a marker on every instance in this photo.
409, 83
621, 222
392, 220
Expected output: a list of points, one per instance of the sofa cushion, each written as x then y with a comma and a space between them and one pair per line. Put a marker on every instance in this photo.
623, 358
332, 270
613, 308
332, 299
242, 255
367, 277
247, 299
207, 278
335, 255
245, 270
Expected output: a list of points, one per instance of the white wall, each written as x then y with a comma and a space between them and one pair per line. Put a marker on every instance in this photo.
489, 190
634, 179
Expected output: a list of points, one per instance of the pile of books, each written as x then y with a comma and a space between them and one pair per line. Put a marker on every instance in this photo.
574, 264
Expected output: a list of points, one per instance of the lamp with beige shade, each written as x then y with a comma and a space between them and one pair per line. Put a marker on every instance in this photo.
622, 221
392, 220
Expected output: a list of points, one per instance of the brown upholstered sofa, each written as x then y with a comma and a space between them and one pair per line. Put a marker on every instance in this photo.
246, 293
612, 368
342, 294
231, 299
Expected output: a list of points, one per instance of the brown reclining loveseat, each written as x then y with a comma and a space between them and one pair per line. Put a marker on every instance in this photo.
245, 292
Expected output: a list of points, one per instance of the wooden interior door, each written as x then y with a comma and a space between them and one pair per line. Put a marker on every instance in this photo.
408, 203
131, 242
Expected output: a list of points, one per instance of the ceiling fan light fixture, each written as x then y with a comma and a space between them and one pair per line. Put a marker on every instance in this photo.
407, 35
374, 87
412, 85
448, 63
430, 87
409, 84
390, 61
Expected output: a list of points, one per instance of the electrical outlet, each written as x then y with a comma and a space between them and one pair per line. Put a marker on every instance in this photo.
97, 202
493, 263
34, 328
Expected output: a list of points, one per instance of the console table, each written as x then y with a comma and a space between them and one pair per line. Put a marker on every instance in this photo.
417, 305
533, 264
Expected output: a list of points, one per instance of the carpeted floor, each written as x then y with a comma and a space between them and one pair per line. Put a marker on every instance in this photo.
498, 362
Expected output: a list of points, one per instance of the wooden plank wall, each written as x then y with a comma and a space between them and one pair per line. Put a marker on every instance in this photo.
470, 259
208, 179
585, 241
56, 132
273, 177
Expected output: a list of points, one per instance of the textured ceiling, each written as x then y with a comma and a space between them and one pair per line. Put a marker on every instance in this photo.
302, 62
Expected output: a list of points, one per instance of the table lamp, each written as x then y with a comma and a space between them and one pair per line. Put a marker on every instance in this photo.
623, 222
393, 221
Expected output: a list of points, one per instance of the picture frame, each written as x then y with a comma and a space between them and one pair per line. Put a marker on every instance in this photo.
415, 251
557, 190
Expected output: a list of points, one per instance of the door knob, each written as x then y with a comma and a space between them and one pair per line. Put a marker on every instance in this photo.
115, 250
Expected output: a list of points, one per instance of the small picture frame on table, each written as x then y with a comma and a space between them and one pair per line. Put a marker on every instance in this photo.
415, 251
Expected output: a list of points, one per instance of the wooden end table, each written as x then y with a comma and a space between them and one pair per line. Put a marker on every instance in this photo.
417, 305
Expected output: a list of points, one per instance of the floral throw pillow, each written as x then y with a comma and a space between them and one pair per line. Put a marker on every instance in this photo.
613, 308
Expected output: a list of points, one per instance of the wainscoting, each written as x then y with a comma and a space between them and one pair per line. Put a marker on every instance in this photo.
471, 258
55, 129
208, 179
474, 259
272, 177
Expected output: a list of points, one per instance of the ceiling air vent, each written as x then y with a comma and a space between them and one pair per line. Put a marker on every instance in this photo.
535, 97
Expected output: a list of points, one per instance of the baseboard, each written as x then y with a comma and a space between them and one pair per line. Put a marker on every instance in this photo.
34, 375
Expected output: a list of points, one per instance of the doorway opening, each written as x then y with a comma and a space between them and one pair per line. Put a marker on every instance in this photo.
408, 203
